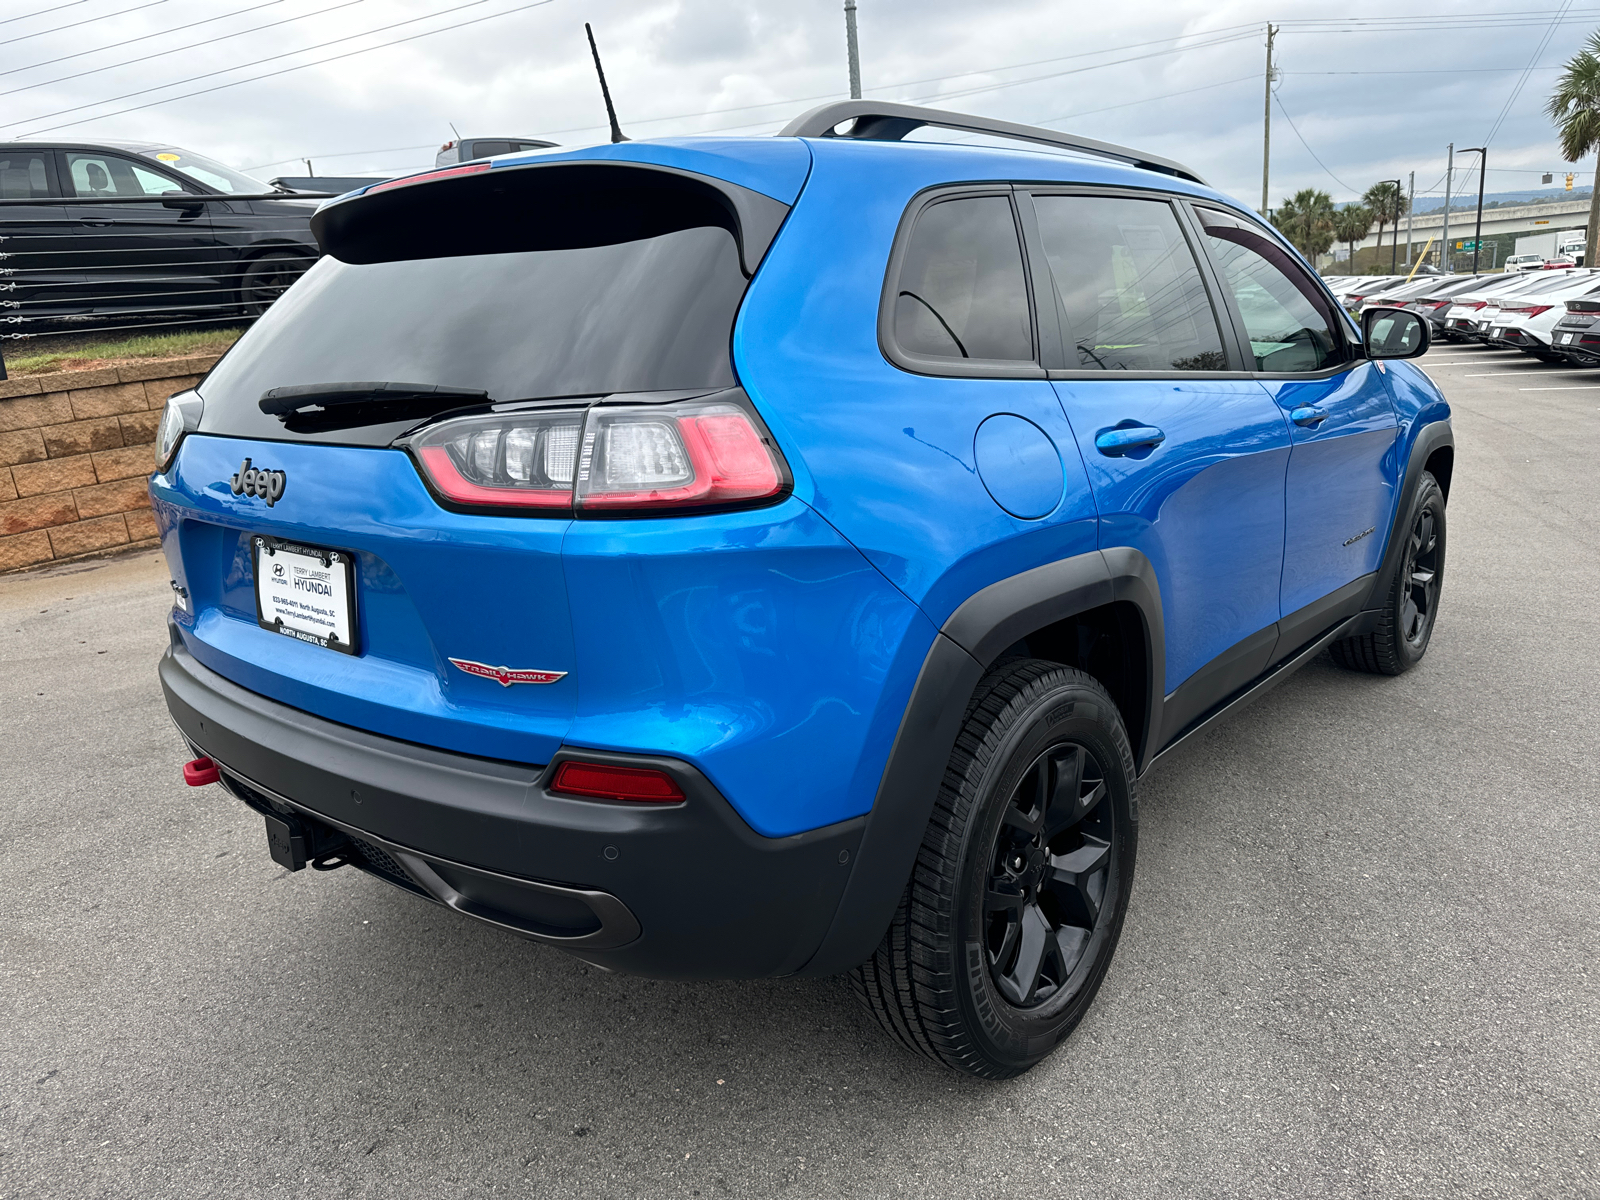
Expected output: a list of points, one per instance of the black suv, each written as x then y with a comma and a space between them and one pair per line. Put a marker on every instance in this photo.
154, 254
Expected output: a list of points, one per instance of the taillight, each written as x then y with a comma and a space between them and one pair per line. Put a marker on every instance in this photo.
512, 460
428, 177
1475, 306
1531, 310
606, 459
603, 781
677, 456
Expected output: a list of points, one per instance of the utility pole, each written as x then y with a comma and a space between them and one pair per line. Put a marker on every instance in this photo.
1394, 231
1411, 207
1444, 241
1266, 124
853, 47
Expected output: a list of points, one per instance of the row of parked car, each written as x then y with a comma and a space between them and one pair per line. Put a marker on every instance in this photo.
1547, 314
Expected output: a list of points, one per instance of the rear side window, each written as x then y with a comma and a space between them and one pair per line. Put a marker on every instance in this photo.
1284, 313
23, 175
1132, 297
961, 291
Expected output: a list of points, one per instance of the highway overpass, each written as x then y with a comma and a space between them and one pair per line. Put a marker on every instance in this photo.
1508, 218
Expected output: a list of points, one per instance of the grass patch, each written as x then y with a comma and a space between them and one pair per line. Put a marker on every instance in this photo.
85, 353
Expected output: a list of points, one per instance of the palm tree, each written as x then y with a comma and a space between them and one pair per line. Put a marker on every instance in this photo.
1387, 203
1306, 219
1575, 108
1351, 225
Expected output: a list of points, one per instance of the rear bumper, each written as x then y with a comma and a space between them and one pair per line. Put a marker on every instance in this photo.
675, 891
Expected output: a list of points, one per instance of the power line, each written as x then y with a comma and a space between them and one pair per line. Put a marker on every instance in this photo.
39, 12
299, 66
1517, 91
1307, 145
34, 66
85, 21
191, 46
245, 66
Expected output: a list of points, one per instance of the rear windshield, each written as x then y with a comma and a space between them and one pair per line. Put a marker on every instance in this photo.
650, 314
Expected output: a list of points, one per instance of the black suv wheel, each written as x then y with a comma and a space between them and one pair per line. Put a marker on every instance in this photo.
1405, 624
1017, 898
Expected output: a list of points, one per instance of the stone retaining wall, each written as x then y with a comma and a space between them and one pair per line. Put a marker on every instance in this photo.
75, 457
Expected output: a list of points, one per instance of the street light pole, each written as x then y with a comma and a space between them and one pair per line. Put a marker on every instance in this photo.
1444, 242
1477, 232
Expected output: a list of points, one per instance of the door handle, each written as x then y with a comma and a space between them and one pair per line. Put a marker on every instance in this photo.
1124, 438
96, 224
1307, 415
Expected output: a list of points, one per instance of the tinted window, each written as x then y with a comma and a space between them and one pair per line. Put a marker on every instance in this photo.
644, 315
1131, 294
23, 175
1283, 312
962, 292
490, 149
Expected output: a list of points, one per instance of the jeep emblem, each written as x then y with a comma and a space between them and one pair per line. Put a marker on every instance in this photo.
258, 481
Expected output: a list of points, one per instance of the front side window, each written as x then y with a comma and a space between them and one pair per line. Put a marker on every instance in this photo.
961, 291
112, 175
1284, 318
1131, 294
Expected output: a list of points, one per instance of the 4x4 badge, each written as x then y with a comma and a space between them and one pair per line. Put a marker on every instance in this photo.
258, 481
506, 676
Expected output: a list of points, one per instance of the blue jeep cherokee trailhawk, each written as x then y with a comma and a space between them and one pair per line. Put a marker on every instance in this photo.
749, 557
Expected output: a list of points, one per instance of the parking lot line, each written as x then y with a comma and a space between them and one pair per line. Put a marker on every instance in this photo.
1577, 387
1528, 371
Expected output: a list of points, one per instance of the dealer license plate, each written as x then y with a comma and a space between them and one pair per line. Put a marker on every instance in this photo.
1568, 338
305, 592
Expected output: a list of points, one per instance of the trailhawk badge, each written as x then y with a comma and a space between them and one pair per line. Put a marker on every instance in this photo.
506, 676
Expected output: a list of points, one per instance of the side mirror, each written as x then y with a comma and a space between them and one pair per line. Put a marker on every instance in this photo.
1394, 333
184, 200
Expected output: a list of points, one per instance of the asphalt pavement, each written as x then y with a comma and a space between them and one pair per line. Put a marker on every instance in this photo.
1360, 960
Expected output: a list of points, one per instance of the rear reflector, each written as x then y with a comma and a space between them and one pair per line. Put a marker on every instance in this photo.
427, 177
200, 771
603, 782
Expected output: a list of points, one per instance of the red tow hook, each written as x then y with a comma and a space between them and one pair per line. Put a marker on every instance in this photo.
200, 771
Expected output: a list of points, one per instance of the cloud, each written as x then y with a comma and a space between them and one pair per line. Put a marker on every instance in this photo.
683, 66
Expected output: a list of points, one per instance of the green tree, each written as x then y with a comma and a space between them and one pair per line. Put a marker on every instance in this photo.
1351, 224
1574, 106
1387, 203
1306, 219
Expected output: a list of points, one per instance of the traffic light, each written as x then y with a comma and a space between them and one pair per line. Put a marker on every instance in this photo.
1569, 181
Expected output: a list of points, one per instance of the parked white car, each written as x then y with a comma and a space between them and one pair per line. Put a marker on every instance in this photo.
1528, 323
1549, 283
1461, 321
1525, 262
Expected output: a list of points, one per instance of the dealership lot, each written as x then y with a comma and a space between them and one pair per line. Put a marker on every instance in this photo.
1360, 958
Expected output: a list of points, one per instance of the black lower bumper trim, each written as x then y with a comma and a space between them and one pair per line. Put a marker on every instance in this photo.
707, 895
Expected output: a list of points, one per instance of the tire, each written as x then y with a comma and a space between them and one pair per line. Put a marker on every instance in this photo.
1000, 874
268, 277
1405, 623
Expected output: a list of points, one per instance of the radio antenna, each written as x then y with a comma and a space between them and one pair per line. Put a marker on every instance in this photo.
611, 112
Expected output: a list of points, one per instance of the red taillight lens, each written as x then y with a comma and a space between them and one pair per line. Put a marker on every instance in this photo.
602, 782
1529, 310
1476, 306
520, 460
682, 456
687, 455
428, 176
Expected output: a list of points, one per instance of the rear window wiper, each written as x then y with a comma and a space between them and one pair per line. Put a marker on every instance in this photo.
316, 407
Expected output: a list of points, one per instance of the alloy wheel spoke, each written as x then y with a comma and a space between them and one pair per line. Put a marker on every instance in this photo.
1076, 873
1022, 981
1002, 896
1421, 576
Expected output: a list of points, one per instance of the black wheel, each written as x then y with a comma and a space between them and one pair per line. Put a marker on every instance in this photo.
267, 278
1405, 624
1017, 898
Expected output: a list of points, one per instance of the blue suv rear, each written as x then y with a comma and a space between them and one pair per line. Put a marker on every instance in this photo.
752, 557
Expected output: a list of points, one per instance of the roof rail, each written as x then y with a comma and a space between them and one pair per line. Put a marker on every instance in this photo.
884, 121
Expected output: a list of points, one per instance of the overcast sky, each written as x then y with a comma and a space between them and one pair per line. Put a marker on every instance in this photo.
1374, 94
